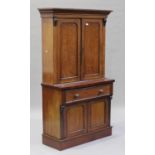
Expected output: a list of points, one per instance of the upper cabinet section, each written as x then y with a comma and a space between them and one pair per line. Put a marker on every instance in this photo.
73, 44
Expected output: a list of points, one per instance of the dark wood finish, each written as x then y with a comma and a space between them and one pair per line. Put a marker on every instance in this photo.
92, 55
73, 50
80, 84
48, 55
76, 95
51, 112
67, 143
90, 113
68, 31
98, 114
44, 11
75, 120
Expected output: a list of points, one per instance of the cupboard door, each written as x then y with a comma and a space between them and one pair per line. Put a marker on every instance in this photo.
92, 48
98, 114
75, 120
68, 32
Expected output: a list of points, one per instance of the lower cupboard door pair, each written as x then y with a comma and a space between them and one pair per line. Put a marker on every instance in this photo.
86, 117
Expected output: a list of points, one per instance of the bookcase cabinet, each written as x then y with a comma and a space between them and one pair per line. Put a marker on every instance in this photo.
76, 94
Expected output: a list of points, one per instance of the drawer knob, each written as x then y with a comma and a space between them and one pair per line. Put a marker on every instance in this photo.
87, 24
76, 95
101, 91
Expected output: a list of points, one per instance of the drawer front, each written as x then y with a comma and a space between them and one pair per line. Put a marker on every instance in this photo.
88, 92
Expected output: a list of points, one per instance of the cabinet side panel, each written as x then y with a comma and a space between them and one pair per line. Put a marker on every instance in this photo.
51, 112
103, 45
47, 51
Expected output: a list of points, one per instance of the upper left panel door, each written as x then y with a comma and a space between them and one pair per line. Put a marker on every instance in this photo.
68, 46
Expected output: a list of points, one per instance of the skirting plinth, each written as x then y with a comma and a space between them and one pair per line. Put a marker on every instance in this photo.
70, 142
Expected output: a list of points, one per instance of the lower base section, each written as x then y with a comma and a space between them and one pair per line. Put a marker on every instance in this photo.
69, 142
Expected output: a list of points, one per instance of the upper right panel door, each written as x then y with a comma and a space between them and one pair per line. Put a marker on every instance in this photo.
93, 47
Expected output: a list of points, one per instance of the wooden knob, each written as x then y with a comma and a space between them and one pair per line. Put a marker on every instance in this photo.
87, 24
77, 95
101, 91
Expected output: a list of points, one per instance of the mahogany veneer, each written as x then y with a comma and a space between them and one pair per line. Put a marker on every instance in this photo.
76, 94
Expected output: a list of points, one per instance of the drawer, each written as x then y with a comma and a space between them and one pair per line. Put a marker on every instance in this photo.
88, 92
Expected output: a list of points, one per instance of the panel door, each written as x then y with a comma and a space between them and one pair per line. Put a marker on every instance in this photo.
75, 120
68, 32
98, 114
92, 48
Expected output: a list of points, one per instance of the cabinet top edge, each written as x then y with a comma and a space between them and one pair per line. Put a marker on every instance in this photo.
73, 10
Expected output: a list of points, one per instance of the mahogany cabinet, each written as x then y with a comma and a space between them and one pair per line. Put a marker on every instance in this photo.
76, 94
